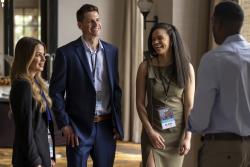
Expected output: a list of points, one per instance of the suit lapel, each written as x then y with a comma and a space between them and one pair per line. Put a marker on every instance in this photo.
109, 59
83, 58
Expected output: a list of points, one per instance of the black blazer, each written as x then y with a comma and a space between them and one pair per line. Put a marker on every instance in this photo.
30, 147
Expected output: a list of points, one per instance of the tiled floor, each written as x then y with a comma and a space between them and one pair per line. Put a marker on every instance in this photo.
127, 155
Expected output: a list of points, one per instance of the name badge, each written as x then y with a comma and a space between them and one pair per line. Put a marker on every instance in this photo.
166, 117
99, 97
51, 150
98, 106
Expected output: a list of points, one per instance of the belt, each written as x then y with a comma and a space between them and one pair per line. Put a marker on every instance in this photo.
100, 118
225, 136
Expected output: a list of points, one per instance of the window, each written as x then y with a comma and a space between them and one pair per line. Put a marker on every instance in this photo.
27, 22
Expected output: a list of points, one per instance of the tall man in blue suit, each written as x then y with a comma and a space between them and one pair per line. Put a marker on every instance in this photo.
86, 95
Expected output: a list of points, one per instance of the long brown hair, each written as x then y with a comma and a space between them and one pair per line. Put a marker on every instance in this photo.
180, 54
24, 55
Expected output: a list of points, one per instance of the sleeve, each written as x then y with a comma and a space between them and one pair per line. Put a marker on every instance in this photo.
118, 92
21, 104
57, 89
207, 88
117, 99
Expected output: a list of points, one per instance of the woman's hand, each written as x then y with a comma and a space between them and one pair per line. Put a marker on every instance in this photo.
53, 163
156, 139
185, 145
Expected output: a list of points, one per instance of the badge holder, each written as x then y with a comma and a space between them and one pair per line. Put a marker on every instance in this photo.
166, 116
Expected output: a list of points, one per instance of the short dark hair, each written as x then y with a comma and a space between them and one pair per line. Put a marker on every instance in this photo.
84, 9
229, 13
180, 55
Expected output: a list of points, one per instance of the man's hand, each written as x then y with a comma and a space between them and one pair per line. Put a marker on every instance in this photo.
116, 134
53, 163
71, 137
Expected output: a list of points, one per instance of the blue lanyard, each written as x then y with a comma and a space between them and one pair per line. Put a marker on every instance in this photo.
47, 107
93, 62
48, 113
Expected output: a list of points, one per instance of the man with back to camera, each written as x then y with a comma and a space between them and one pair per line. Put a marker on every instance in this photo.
86, 70
222, 102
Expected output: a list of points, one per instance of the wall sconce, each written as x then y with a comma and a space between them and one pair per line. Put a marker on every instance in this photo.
145, 6
2, 3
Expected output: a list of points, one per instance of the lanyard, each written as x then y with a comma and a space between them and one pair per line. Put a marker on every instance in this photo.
165, 89
93, 63
47, 106
44, 98
163, 79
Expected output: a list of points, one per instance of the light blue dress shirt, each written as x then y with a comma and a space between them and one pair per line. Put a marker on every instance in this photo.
222, 98
96, 60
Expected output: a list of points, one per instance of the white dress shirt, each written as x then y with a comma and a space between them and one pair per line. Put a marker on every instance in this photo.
98, 67
222, 98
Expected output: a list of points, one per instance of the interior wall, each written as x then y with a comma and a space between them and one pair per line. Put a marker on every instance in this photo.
111, 14
1, 30
1, 41
164, 10
192, 19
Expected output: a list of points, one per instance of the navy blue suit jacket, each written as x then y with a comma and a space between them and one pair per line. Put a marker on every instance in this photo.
72, 89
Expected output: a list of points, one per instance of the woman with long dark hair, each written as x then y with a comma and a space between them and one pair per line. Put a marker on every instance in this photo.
164, 98
30, 104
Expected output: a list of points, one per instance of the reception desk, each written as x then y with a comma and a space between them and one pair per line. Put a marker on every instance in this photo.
7, 127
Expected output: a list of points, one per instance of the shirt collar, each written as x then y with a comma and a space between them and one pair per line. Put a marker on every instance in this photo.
232, 38
87, 48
